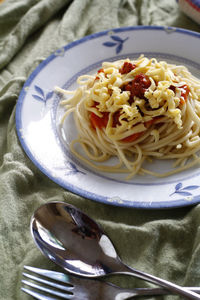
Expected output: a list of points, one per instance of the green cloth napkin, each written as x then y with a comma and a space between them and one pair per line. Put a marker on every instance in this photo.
162, 242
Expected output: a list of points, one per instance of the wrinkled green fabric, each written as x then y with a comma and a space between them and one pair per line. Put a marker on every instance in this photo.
165, 243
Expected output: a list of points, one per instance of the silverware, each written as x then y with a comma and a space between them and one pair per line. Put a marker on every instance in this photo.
75, 242
80, 288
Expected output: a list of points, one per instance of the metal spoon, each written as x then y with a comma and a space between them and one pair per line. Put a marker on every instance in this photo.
75, 242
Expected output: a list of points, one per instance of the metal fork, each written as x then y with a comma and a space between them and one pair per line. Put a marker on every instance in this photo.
75, 288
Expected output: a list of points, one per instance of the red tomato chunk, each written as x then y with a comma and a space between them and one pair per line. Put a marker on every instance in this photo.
127, 67
97, 121
138, 86
185, 91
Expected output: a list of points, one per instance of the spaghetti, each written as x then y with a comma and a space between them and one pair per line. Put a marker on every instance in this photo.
136, 111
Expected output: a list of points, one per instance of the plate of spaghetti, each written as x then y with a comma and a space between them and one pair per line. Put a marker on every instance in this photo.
118, 120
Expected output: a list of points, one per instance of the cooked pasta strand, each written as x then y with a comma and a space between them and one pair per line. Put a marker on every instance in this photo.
136, 111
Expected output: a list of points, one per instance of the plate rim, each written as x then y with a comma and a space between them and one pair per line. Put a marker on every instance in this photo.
72, 188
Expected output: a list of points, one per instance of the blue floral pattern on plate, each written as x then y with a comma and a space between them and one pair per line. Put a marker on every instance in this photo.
116, 42
41, 95
184, 191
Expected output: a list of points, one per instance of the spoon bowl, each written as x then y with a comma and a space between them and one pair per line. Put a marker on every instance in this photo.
72, 240
78, 244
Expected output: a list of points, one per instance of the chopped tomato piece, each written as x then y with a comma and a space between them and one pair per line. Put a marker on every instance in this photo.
95, 104
150, 122
100, 70
184, 93
132, 137
116, 116
128, 87
172, 87
127, 67
140, 84
135, 136
97, 121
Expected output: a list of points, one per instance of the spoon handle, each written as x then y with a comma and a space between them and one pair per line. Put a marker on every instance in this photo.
172, 287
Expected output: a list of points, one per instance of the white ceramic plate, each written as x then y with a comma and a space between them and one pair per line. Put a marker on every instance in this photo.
38, 114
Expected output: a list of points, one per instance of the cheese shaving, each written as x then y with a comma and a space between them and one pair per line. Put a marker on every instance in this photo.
136, 110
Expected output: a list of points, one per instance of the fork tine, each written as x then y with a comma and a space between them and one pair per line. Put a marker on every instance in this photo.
50, 283
37, 295
50, 274
47, 290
